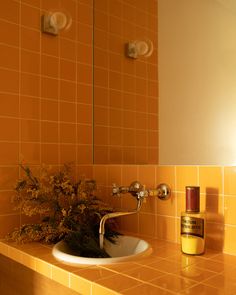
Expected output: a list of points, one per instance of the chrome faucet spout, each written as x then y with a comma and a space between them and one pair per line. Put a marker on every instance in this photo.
114, 215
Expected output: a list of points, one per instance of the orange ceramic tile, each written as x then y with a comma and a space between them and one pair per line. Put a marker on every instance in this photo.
10, 11
67, 91
152, 88
203, 290
67, 133
4, 249
129, 174
9, 153
230, 239
213, 266
210, 180
225, 258
84, 113
8, 174
229, 210
49, 66
9, 105
85, 154
100, 174
100, 290
49, 88
30, 84
9, 223
67, 153
130, 223
7, 206
84, 93
147, 224
114, 174
115, 137
61, 276
173, 283
166, 228
9, 57
30, 130
67, 70
9, 33
85, 15
100, 77
186, 175
101, 136
115, 117
166, 266
167, 208
115, 80
9, 81
79, 284
152, 104
30, 152
49, 132
84, 34
94, 273
43, 267
85, 171
35, 3
225, 282
29, 107
49, 45
196, 274
70, 6
144, 273
28, 261
68, 49
229, 180
9, 129
166, 174
146, 289
50, 154
84, 134
84, 73
49, 110
100, 116
84, 54
30, 39
115, 26
30, 16
118, 282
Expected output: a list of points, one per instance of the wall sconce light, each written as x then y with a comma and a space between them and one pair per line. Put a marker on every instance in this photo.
54, 21
135, 49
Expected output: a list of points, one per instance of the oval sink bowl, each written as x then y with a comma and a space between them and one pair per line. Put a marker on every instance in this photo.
126, 248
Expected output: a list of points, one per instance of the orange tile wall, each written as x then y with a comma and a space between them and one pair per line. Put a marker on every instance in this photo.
125, 92
161, 219
45, 93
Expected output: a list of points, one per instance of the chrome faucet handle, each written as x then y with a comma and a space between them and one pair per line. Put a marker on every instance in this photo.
135, 188
115, 190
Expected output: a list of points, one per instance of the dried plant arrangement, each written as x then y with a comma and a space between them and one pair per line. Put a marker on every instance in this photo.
69, 211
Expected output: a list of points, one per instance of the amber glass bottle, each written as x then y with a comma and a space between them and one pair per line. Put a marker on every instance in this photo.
193, 223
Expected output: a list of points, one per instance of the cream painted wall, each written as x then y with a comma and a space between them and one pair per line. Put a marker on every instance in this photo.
197, 81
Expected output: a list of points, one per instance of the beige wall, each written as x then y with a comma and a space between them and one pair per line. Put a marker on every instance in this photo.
197, 82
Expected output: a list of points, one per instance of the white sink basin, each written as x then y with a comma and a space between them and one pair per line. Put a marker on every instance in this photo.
126, 248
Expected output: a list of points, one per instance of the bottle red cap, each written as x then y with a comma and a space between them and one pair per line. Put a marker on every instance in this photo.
192, 198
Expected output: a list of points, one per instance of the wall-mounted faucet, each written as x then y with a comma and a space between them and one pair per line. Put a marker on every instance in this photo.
137, 190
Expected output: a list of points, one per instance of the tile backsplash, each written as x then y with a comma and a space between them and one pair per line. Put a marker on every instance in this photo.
45, 93
161, 219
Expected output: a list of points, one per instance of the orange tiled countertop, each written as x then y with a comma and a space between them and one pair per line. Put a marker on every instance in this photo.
167, 271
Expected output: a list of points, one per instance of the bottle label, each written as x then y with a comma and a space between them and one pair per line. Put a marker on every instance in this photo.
192, 226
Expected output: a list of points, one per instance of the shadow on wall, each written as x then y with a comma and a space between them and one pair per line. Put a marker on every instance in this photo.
214, 220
